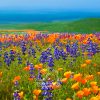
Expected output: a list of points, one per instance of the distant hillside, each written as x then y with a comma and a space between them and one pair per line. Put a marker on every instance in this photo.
84, 25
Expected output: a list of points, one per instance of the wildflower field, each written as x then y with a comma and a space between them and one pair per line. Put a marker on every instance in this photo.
56, 66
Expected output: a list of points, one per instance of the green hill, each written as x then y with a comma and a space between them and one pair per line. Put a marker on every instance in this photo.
84, 25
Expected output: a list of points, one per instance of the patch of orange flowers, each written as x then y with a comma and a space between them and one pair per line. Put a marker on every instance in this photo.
16, 78
67, 74
0, 74
37, 92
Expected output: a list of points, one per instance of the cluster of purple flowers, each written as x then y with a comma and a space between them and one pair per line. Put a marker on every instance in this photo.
50, 62
19, 59
23, 47
83, 48
7, 59
91, 48
31, 71
74, 49
12, 55
44, 56
16, 95
68, 47
60, 53
56, 53
47, 90
32, 52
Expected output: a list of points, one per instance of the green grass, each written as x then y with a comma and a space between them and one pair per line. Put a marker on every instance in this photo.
7, 86
83, 26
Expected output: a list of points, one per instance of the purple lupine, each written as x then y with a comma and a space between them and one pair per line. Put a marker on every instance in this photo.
12, 55
31, 72
91, 48
5, 55
83, 47
16, 95
63, 54
19, 60
73, 50
23, 50
33, 52
23, 47
8, 61
47, 90
39, 76
50, 62
68, 48
56, 53
43, 57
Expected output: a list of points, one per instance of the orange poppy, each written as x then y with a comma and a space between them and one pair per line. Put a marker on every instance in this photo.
80, 94
43, 71
95, 89
75, 86
86, 91
77, 77
17, 78
83, 81
36, 92
83, 65
36, 67
67, 74
88, 61
64, 80
55, 86
93, 83
40, 66
89, 77
84, 42
0, 74
27, 68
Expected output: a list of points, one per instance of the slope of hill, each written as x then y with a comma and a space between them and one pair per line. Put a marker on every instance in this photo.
83, 25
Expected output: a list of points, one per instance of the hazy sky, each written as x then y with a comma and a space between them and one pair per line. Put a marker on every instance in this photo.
31, 5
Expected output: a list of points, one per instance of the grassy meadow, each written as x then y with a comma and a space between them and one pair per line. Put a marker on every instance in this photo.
60, 66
